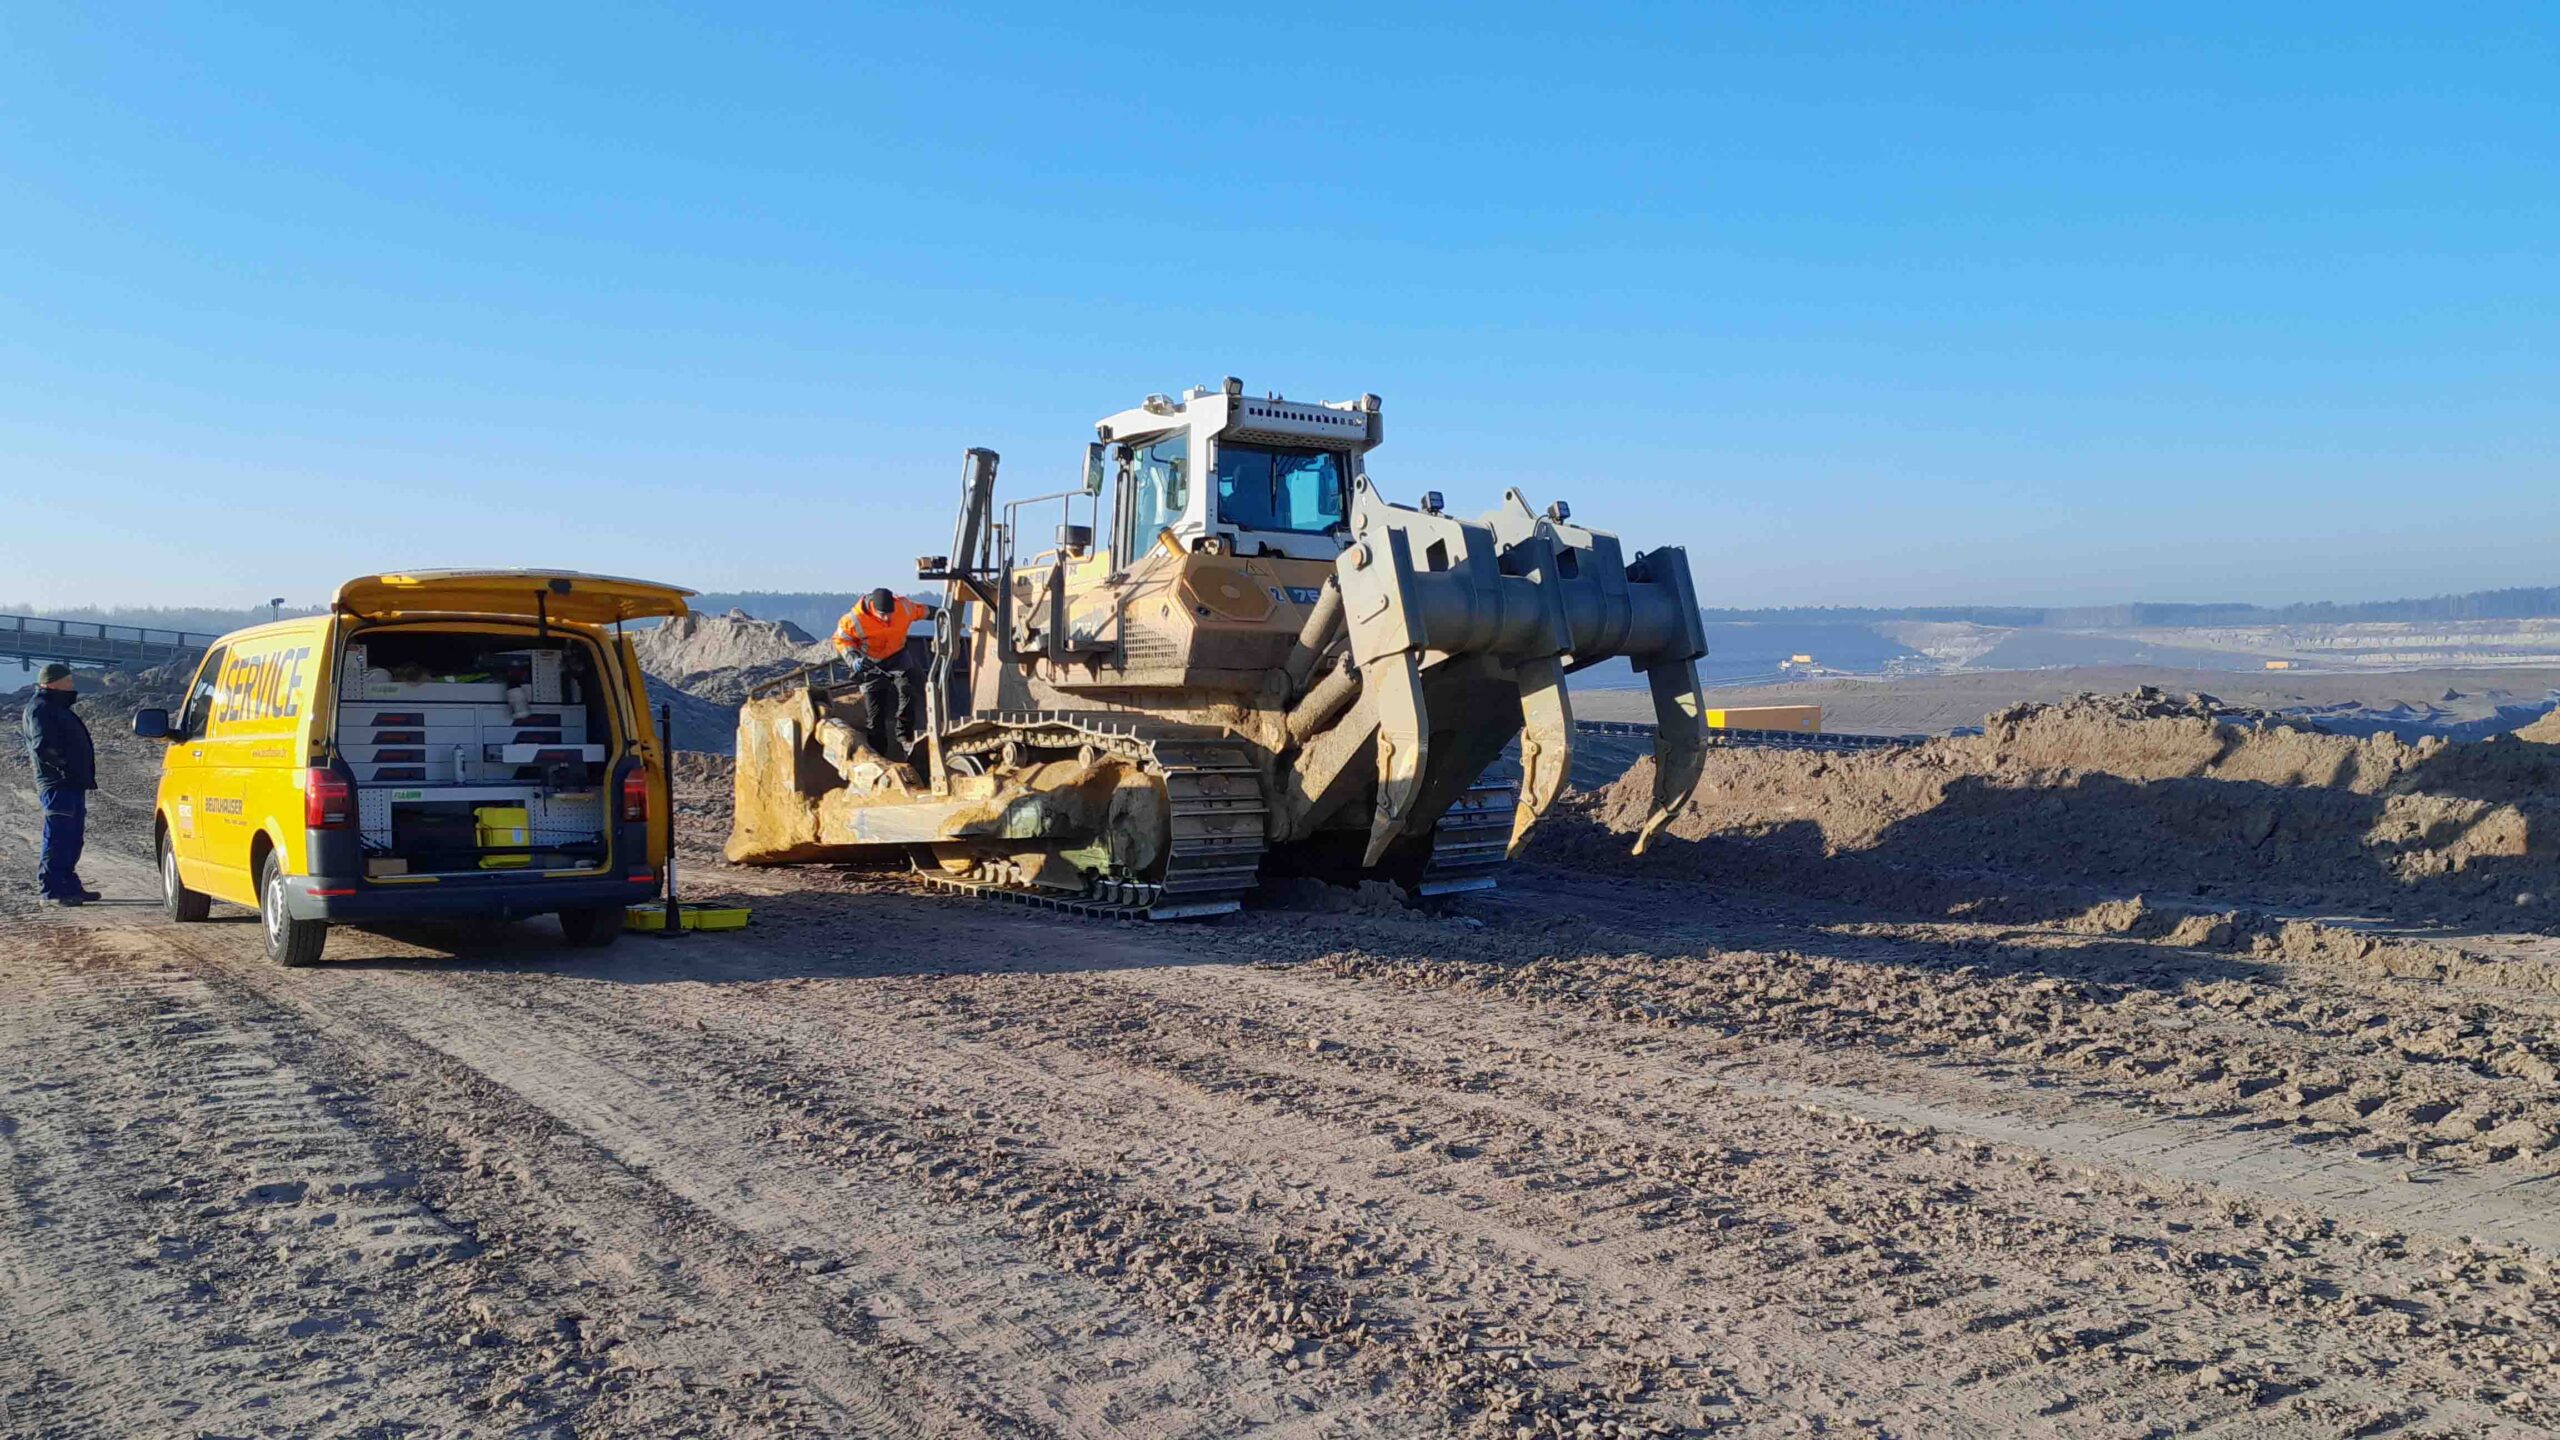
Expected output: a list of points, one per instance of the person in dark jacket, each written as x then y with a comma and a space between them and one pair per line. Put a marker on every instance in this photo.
66, 767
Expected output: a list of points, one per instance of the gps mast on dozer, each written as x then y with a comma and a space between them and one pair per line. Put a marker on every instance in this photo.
1261, 662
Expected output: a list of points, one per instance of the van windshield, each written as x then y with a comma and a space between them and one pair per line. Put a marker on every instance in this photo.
1271, 487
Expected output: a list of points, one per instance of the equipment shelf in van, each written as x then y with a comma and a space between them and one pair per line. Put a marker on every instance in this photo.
366, 682
559, 817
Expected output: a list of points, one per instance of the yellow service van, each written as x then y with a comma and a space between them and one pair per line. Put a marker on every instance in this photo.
449, 744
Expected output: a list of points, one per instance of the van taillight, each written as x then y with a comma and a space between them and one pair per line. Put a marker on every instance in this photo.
635, 794
328, 801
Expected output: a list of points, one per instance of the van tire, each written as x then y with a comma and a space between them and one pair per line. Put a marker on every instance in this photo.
591, 929
185, 906
291, 943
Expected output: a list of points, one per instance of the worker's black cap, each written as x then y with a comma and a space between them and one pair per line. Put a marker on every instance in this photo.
55, 671
881, 599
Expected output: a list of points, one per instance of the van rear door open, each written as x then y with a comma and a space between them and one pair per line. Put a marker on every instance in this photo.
598, 600
451, 756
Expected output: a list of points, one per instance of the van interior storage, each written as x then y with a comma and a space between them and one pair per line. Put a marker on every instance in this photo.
475, 752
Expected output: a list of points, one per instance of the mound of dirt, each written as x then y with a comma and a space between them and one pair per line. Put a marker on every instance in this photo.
699, 723
696, 644
718, 659
2544, 731
2145, 702
1373, 898
2142, 792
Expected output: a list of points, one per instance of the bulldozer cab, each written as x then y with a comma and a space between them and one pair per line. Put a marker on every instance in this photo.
1252, 477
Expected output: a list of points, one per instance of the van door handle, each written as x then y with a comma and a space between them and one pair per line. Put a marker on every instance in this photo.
196, 754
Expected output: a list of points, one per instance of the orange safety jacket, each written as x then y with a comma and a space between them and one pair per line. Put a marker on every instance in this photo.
878, 636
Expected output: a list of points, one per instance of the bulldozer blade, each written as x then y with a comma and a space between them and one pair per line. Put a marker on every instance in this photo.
1393, 687
1546, 744
1679, 744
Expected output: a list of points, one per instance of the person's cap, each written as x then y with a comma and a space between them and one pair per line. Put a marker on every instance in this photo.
52, 672
881, 599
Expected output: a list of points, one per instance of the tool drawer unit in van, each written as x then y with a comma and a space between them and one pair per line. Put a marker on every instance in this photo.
428, 754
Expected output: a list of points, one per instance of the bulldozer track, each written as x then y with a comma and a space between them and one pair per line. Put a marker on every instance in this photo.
1219, 813
1471, 845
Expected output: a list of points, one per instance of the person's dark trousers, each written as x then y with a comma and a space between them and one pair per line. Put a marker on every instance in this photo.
892, 681
66, 829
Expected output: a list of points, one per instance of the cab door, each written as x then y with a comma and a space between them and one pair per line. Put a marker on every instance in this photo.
249, 755
182, 764
221, 826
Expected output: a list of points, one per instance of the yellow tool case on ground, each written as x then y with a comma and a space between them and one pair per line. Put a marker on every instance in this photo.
653, 916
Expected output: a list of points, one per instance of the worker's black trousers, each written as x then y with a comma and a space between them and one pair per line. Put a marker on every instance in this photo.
886, 693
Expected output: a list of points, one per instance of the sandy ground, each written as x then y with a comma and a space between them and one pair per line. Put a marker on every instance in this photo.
1619, 1151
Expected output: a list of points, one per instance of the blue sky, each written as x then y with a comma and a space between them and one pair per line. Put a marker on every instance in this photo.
1864, 304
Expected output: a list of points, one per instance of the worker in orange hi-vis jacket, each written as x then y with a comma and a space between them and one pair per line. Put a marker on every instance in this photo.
873, 637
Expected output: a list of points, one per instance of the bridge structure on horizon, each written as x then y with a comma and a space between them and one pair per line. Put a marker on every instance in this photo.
32, 639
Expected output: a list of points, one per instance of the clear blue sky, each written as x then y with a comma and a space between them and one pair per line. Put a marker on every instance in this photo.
1864, 304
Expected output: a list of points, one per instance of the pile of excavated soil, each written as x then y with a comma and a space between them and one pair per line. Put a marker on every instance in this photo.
688, 644
1374, 898
705, 665
2140, 793
2145, 702
720, 658
699, 723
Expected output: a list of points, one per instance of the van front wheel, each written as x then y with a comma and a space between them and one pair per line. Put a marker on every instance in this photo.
185, 906
592, 929
290, 942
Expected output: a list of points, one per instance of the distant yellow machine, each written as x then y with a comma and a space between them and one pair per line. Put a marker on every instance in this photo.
1804, 719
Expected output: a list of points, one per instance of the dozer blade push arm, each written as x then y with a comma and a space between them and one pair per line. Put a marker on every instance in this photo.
1540, 596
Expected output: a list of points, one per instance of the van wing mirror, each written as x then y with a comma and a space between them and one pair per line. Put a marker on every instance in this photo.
152, 724
1093, 468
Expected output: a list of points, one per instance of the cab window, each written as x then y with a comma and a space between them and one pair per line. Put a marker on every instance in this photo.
1271, 487
199, 706
1159, 491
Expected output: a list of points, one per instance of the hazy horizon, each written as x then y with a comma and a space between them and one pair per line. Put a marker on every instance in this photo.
721, 601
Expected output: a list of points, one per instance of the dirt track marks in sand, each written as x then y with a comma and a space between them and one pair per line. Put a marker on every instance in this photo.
1636, 1155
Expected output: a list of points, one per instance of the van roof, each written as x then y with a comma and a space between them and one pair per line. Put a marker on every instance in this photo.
564, 596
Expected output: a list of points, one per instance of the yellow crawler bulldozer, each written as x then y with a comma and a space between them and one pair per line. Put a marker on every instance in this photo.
1259, 665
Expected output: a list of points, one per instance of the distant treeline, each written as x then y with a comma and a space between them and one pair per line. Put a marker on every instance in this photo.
2530, 602
815, 611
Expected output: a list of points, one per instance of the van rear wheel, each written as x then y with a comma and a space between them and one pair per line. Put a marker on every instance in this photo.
290, 942
592, 929
185, 906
